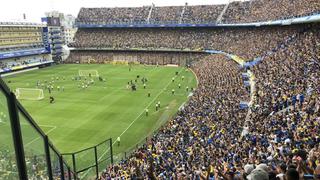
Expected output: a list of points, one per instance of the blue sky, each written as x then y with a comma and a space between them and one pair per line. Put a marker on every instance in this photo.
11, 10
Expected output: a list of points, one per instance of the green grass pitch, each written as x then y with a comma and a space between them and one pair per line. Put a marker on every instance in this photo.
80, 118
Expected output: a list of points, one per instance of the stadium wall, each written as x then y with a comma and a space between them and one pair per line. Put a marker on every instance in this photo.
141, 57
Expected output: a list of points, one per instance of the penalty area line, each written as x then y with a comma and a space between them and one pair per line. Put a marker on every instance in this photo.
35, 139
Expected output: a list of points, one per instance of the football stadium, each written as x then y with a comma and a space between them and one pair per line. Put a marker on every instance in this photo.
228, 90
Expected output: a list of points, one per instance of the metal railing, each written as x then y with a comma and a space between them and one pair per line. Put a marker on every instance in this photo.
27, 149
87, 163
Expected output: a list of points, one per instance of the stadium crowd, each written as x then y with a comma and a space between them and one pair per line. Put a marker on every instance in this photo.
29, 61
202, 13
114, 15
211, 138
231, 40
160, 58
193, 142
8, 168
236, 12
266, 10
289, 72
166, 14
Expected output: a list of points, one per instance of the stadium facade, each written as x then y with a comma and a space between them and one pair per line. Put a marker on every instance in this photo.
24, 45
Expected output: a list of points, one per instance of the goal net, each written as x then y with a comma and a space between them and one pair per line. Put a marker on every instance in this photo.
29, 94
93, 73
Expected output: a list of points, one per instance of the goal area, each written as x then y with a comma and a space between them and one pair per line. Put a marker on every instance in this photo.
88, 73
29, 94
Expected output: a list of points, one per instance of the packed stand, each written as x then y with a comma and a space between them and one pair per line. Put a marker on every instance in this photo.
211, 138
166, 14
29, 61
248, 43
267, 10
290, 73
9, 170
202, 13
113, 15
195, 141
237, 12
284, 127
160, 58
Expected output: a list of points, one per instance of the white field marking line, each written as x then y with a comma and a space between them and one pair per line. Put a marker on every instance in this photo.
145, 108
195, 76
136, 118
52, 128
110, 87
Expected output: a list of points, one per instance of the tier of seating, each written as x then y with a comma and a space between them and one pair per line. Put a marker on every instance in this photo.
181, 148
13, 38
248, 43
160, 58
202, 14
20, 40
213, 138
15, 62
114, 15
267, 10
235, 12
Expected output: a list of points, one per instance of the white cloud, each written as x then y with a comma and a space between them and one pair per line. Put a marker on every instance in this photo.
35, 9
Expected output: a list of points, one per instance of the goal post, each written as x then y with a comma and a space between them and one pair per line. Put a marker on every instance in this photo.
29, 94
88, 73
